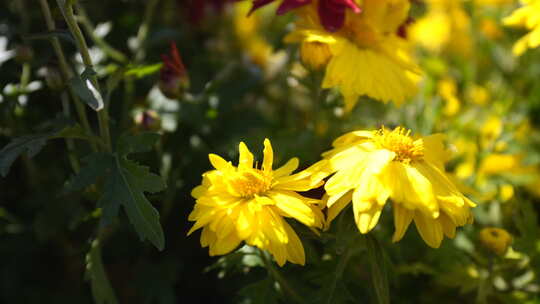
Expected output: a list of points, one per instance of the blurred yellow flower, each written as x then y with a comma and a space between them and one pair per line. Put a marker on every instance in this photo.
248, 33
493, 2
490, 29
477, 94
506, 192
446, 26
367, 56
245, 203
497, 163
447, 89
490, 131
372, 166
527, 16
496, 240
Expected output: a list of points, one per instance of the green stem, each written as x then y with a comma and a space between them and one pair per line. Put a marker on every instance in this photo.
340, 269
274, 272
129, 97
144, 29
25, 76
89, 28
69, 142
65, 71
103, 115
485, 284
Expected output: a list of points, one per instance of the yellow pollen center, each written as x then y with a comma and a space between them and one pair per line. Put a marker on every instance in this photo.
252, 182
400, 142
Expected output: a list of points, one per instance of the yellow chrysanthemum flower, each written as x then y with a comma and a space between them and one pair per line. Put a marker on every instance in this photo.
366, 56
372, 166
446, 26
527, 16
245, 203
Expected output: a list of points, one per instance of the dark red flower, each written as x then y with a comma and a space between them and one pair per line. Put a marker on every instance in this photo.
197, 9
173, 78
331, 12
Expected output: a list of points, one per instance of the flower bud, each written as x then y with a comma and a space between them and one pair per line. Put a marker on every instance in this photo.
23, 54
173, 79
315, 54
148, 120
496, 240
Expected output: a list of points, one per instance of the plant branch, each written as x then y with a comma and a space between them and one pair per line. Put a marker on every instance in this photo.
89, 28
144, 29
69, 16
65, 71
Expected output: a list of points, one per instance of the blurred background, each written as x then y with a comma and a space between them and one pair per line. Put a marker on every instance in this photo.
244, 83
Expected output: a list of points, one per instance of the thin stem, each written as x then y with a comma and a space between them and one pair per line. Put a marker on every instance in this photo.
274, 272
485, 284
69, 142
65, 71
25, 76
103, 115
340, 269
89, 28
144, 29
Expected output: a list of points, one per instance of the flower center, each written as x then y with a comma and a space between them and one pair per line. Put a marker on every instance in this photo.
252, 182
400, 142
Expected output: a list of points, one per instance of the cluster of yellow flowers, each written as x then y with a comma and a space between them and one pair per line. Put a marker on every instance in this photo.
248, 203
366, 51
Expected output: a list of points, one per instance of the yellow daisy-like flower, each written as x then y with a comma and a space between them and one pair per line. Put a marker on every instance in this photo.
372, 166
527, 16
366, 56
245, 203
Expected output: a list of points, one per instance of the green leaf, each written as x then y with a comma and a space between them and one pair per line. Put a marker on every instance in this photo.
126, 185
84, 88
76, 132
95, 272
379, 275
97, 165
143, 142
262, 292
143, 70
31, 144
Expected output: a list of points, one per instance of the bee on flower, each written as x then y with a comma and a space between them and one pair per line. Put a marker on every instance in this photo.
370, 167
247, 203
367, 55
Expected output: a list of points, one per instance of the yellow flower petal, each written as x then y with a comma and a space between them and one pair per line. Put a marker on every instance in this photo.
245, 160
402, 220
268, 159
430, 229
